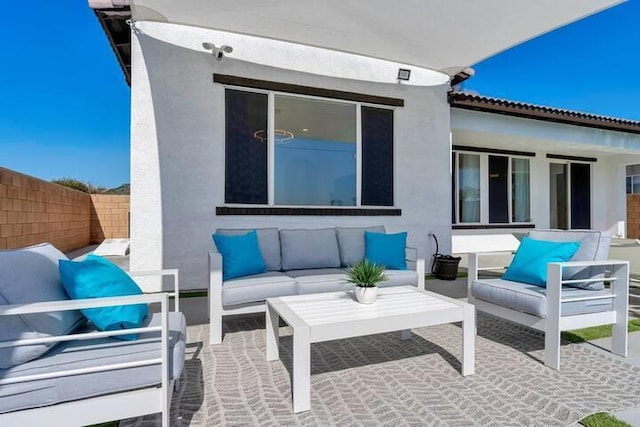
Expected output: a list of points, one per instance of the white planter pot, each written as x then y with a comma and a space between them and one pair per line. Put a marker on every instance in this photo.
366, 295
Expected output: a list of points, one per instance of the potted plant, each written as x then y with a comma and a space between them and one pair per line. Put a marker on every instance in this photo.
366, 275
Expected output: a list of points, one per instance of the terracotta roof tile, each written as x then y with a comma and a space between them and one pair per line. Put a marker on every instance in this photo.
470, 101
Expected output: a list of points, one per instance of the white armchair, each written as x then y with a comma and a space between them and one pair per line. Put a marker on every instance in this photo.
560, 306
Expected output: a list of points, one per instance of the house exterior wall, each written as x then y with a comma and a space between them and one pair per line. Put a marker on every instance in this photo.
612, 151
178, 166
34, 211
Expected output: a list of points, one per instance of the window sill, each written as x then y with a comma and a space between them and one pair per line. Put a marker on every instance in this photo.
307, 211
490, 226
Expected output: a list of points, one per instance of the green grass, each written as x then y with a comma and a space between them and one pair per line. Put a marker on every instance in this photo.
603, 419
595, 332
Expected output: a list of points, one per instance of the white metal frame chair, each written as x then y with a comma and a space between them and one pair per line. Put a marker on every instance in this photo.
116, 406
555, 323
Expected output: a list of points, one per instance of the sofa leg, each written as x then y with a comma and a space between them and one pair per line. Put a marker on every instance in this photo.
619, 339
552, 349
215, 329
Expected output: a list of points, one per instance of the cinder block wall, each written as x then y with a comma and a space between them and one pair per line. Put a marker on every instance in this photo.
633, 216
109, 217
35, 211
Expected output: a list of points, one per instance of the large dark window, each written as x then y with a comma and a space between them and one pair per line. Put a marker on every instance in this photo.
314, 154
498, 189
507, 179
245, 155
580, 195
377, 156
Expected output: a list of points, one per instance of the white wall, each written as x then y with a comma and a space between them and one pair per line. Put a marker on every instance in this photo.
177, 155
613, 150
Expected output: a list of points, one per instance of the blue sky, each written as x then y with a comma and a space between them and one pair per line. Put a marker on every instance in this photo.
65, 104
591, 65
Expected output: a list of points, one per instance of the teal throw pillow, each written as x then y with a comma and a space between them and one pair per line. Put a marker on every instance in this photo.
97, 277
529, 264
386, 249
241, 254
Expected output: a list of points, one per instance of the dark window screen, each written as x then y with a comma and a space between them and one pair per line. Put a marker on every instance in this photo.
580, 195
377, 157
245, 150
498, 189
454, 168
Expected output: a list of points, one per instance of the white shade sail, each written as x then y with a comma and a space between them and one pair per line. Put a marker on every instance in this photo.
443, 35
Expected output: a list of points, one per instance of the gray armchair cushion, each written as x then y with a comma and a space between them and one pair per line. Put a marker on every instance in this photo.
268, 240
313, 248
351, 243
94, 353
532, 299
30, 275
594, 246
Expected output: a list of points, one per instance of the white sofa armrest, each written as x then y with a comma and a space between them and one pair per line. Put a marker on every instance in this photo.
53, 306
215, 297
165, 272
554, 322
416, 264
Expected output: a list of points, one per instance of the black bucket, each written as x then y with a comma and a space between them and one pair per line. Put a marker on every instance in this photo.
445, 267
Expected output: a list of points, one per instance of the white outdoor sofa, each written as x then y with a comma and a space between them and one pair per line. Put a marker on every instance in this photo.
561, 306
302, 261
85, 377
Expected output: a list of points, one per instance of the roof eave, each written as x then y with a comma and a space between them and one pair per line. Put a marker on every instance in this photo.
535, 112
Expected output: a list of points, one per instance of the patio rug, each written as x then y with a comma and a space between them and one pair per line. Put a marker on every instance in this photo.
382, 380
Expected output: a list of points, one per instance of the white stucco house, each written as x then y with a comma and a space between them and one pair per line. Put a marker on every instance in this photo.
296, 114
518, 166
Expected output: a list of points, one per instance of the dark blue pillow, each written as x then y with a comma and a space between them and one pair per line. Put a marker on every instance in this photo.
241, 254
386, 249
97, 277
529, 265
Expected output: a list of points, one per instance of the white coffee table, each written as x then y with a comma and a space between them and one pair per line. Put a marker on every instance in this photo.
332, 316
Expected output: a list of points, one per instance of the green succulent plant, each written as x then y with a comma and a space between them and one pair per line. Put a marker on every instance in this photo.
366, 274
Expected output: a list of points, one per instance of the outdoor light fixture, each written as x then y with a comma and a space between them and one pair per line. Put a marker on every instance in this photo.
217, 52
404, 74
281, 136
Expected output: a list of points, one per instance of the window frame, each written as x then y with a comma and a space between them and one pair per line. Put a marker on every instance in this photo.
568, 162
632, 179
484, 189
271, 97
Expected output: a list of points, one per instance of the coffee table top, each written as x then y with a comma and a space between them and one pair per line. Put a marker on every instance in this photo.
340, 307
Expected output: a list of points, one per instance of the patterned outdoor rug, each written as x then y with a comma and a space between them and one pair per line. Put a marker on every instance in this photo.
382, 380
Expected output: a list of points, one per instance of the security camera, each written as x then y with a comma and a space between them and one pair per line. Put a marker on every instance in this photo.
223, 49
217, 52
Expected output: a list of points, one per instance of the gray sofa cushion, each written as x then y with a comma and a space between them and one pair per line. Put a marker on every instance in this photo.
333, 280
313, 248
257, 287
268, 240
351, 243
30, 275
400, 278
594, 245
93, 353
532, 299
318, 280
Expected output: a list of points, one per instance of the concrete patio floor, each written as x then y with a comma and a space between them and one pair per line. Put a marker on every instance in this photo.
195, 308
458, 289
